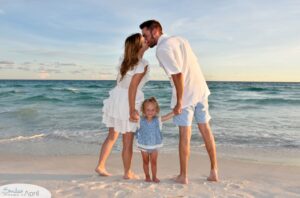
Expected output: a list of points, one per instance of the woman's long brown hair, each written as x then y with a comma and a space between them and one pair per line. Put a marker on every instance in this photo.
133, 44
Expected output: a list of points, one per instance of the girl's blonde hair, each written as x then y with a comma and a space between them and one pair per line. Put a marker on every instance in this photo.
133, 44
150, 100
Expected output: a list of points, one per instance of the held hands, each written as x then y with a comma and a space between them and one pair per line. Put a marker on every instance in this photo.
134, 116
177, 109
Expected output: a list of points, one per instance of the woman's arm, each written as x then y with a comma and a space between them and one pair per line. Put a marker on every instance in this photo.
167, 117
135, 81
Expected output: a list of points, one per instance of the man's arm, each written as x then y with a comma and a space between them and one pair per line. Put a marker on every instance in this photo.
178, 82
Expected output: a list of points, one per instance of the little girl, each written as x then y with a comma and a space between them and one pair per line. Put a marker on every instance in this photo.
149, 137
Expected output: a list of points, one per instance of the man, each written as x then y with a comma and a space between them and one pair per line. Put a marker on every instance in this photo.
189, 96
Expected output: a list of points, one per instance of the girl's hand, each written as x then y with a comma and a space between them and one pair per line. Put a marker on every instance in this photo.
167, 116
134, 116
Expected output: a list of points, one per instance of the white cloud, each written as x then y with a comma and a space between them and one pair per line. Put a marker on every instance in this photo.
22, 68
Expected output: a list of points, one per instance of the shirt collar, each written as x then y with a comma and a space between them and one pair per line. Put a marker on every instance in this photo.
161, 38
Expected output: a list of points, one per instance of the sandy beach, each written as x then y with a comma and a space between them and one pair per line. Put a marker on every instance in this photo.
74, 74
74, 176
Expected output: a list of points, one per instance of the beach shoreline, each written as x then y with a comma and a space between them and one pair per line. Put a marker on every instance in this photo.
74, 176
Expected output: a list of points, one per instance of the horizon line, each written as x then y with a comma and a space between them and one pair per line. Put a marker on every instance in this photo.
150, 80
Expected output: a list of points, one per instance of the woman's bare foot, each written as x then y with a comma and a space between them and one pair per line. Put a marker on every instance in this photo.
213, 176
181, 179
130, 175
102, 172
155, 179
148, 179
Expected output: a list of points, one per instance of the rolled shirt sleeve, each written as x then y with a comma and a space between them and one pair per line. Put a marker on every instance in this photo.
168, 61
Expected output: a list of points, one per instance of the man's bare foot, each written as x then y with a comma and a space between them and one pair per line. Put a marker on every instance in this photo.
213, 176
130, 175
181, 179
102, 172
156, 180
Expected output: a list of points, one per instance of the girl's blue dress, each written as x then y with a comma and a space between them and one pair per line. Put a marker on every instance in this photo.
148, 135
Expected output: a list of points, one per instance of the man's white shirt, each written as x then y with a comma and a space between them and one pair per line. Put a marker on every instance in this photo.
175, 55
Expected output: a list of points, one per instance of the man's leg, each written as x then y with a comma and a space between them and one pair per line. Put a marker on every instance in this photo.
202, 117
184, 122
184, 153
210, 145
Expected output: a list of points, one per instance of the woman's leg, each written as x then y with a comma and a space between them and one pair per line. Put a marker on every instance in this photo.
105, 151
153, 159
145, 157
127, 155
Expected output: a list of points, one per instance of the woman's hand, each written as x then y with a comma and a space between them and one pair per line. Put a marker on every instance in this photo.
134, 116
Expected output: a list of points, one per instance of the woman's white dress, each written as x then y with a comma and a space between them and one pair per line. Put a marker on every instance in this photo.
116, 107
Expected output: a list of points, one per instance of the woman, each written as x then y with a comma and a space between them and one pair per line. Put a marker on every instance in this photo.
122, 103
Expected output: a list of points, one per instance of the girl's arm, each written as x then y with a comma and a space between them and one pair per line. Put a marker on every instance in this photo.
167, 117
135, 81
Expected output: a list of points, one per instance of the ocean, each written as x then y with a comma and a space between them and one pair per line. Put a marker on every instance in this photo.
257, 121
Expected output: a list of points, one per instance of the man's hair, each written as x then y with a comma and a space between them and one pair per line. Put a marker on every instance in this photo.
151, 24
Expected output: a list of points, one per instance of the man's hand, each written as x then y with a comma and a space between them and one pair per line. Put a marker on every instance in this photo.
177, 109
134, 116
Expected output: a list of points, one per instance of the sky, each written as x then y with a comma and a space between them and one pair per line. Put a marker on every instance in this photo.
234, 40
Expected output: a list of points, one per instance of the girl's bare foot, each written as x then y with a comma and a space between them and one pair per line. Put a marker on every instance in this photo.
181, 179
130, 175
156, 180
213, 176
102, 172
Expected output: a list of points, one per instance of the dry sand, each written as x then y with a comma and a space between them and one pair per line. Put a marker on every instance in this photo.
74, 176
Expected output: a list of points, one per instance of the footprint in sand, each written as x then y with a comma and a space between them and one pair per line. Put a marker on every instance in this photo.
98, 186
236, 186
233, 185
66, 192
120, 194
73, 181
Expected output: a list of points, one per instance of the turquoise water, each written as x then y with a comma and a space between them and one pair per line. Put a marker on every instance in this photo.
64, 117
